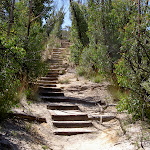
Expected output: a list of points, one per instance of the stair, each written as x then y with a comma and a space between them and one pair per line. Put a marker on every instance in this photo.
62, 107
72, 124
67, 119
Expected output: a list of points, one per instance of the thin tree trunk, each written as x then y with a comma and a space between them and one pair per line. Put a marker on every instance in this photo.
30, 12
139, 31
11, 17
139, 16
75, 17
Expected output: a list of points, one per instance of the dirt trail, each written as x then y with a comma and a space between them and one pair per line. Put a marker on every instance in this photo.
23, 135
34, 136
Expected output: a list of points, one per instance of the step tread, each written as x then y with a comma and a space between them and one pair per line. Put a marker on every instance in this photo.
49, 88
71, 122
54, 97
59, 48
59, 105
49, 85
62, 107
52, 92
47, 81
43, 78
67, 113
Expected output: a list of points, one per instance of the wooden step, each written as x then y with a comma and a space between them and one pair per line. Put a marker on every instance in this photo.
62, 107
47, 82
56, 66
53, 73
58, 49
46, 85
46, 93
58, 55
49, 78
72, 124
55, 60
50, 89
54, 99
71, 115
58, 63
54, 70
71, 131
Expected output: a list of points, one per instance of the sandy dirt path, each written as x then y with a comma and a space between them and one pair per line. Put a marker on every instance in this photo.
24, 135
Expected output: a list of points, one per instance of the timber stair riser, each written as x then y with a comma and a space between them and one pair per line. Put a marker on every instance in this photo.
57, 58
47, 83
72, 124
71, 133
58, 67
51, 94
58, 50
45, 89
54, 99
57, 71
62, 107
53, 74
49, 78
70, 117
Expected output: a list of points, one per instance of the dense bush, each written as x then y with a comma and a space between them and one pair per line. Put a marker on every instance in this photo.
21, 44
118, 46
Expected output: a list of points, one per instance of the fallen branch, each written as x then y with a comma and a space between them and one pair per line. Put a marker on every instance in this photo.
27, 117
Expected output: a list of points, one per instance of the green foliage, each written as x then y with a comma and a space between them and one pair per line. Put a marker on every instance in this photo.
132, 71
20, 53
79, 23
10, 66
78, 32
66, 81
146, 85
118, 34
76, 51
97, 78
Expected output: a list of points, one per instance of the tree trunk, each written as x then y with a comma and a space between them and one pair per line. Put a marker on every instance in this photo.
75, 18
11, 17
139, 32
30, 12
